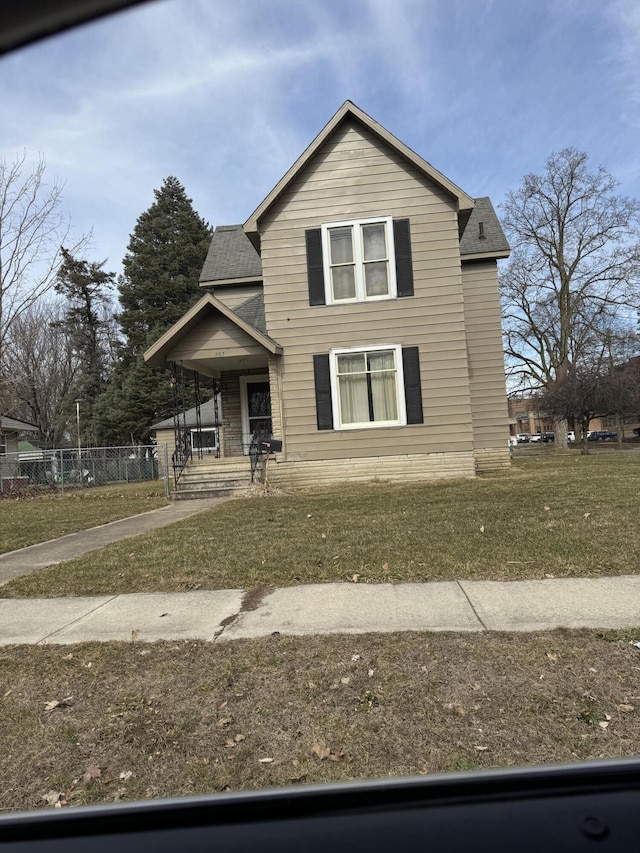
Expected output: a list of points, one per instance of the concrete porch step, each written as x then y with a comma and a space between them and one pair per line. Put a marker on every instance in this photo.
211, 477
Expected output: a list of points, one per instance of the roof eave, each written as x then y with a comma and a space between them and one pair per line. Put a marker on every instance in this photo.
212, 282
486, 256
464, 201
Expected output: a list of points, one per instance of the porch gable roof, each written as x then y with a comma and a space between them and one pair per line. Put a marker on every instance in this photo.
157, 352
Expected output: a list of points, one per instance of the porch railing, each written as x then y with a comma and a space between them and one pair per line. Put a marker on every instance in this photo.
182, 453
257, 448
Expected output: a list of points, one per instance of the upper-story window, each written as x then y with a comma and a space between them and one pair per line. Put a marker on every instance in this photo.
359, 260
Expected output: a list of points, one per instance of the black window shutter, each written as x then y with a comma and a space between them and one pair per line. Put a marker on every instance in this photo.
412, 387
404, 265
315, 271
322, 378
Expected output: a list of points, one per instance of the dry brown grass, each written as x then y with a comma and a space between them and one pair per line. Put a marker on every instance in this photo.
26, 521
178, 719
562, 515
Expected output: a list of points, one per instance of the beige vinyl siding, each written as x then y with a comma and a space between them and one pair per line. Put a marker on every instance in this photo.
486, 360
215, 337
354, 175
235, 294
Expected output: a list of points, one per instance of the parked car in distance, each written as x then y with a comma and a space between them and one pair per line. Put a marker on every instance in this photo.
536, 437
548, 437
571, 436
523, 438
602, 435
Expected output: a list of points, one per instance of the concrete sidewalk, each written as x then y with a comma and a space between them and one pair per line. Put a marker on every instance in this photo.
607, 603
28, 560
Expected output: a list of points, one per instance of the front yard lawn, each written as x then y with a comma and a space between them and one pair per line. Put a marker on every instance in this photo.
99, 723
559, 515
30, 520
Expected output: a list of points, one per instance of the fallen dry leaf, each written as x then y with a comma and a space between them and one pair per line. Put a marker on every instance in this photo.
54, 798
267, 760
626, 707
58, 703
223, 705
547, 508
92, 772
459, 709
345, 680
126, 775
482, 529
482, 748
68, 657
321, 750
603, 724
586, 515
239, 738
224, 721
552, 656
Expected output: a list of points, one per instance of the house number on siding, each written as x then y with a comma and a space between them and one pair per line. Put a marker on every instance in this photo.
219, 353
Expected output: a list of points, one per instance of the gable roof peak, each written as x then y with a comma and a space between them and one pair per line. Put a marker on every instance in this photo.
348, 108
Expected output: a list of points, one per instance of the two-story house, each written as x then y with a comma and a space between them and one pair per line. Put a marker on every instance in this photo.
354, 316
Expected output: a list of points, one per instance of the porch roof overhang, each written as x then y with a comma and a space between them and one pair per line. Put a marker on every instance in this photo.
211, 337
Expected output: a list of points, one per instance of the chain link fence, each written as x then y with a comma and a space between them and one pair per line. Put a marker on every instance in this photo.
33, 472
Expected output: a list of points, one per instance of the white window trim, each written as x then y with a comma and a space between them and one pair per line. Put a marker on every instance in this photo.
194, 432
358, 262
400, 393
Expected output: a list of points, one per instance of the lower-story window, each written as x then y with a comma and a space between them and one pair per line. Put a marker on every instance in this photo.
367, 387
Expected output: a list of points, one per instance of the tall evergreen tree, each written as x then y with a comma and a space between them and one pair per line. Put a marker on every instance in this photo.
162, 265
161, 270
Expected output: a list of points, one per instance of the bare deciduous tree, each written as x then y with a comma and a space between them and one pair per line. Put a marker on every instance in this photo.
32, 229
574, 270
43, 363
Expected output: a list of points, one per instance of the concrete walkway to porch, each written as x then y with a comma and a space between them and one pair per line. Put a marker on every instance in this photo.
27, 560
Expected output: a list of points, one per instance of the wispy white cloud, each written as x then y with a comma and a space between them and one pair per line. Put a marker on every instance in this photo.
226, 95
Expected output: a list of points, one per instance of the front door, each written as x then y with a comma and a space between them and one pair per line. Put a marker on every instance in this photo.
256, 408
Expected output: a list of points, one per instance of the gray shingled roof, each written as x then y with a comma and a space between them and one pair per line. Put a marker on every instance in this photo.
14, 425
471, 243
252, 312
207, 417
231, 255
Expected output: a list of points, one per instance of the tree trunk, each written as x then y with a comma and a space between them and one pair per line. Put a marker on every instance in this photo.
584, 425
560, 432
619, 431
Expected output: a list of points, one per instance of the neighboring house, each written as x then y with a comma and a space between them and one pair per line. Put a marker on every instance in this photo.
202, 428
355, 316
11, 429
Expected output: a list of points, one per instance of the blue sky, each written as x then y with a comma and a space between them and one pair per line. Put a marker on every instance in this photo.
225, 96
